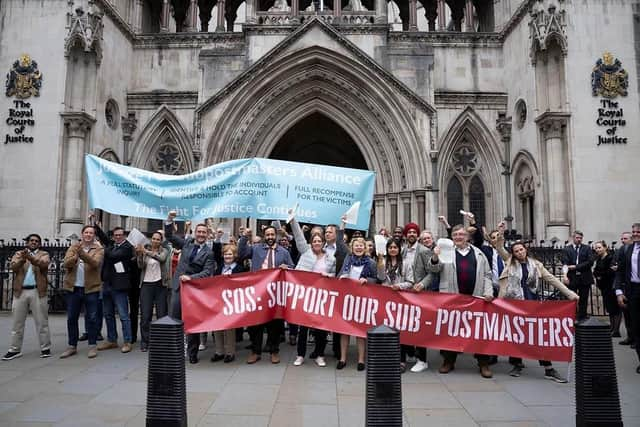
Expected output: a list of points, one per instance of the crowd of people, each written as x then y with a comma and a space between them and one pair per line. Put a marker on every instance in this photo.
107, 274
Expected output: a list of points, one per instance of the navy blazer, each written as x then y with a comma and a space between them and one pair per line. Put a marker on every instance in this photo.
258, 253
203, 264
623, 273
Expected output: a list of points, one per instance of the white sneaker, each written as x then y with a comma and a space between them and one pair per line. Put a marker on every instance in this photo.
299, 361
321, 362
202, 347
420, 366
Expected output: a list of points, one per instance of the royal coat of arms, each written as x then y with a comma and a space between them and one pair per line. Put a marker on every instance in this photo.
24, 80
608, 78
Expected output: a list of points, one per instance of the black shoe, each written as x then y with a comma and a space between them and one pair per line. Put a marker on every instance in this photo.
229, 358
217, 357
12, 355
626, 341
615, 334
360, 366
341, 364
45, 353
516, 371
403, 368
193, 359
83, 337
100, 337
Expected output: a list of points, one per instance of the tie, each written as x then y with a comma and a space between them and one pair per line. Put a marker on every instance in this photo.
577, 254
270, 258
194, 252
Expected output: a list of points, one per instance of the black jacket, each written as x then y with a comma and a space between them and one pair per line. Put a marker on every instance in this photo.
116, 256
623, 274
582, 275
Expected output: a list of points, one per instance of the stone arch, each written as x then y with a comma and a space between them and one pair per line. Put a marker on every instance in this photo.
163, 126
109, 154
526, 181
317, 79
469, 131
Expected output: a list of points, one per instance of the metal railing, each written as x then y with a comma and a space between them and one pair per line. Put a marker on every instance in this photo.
55, 275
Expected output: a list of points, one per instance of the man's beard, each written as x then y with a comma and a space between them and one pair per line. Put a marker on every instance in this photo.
270, 242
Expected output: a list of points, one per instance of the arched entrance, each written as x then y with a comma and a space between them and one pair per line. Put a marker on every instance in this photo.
318, 139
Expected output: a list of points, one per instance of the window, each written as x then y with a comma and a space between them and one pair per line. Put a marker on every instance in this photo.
454, 201
465, 190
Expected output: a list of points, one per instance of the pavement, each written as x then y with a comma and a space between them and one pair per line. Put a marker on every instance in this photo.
110, 390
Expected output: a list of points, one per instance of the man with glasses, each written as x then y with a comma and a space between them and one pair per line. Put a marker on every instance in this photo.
30, 266
116, 271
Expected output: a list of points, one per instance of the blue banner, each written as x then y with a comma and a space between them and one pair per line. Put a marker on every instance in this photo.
245, 188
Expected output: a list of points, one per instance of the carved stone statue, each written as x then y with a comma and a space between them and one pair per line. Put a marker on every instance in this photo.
355, 6
280, 6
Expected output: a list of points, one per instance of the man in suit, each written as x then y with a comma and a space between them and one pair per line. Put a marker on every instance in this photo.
196, 262
116, 282
627, 283
335, 245
578, 260
30, 294
625, 239
266, 255
468, 274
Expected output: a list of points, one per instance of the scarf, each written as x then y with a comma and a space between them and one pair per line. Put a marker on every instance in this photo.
358, 261
514, 279
394, 272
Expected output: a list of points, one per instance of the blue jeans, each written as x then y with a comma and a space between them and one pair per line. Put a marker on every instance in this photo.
74, 300
112, 300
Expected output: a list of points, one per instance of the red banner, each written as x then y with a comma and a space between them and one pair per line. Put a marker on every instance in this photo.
528, 329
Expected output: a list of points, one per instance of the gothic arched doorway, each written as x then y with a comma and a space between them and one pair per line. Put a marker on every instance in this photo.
318, 139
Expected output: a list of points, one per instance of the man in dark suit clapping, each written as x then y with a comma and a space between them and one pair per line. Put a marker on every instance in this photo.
196, 262
627, 283
578, 260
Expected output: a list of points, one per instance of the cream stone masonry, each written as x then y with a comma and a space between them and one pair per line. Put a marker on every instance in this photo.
481, 105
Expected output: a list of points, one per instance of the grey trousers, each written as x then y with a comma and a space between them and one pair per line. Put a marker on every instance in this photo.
29, 300
225, 341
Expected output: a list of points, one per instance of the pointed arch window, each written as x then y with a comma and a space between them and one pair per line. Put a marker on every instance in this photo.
454, 200
465, 189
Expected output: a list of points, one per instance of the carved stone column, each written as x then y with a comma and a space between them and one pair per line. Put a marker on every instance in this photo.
129, 125
393, 210
136, 18
164, 17
337, 9
378, 203
295, 11
413, 15
442, 16
381, 13
220, 27
405, 208
503, 125
421, 216
553, 132
192, 16
77, 128
250, 12
469, 20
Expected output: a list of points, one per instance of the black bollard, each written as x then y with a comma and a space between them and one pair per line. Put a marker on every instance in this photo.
597, 397
166, 384
384, 385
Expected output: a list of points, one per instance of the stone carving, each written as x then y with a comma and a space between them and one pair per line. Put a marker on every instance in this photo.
354, 6
608, 78
280, 6
85, 30
548, 22
24, 79
168, 159
465, 160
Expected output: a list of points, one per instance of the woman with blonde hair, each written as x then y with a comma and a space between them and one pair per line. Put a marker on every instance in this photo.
357, 266
314, 258
225, 341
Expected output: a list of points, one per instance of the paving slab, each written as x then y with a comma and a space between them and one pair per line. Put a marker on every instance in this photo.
295, 415
246, 399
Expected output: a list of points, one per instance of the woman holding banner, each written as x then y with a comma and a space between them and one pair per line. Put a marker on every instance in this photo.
357, 266
225, 341
154, 282
519, 280
393, 274
313, 258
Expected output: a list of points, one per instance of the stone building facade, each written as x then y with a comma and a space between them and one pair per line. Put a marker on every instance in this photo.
481, 105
